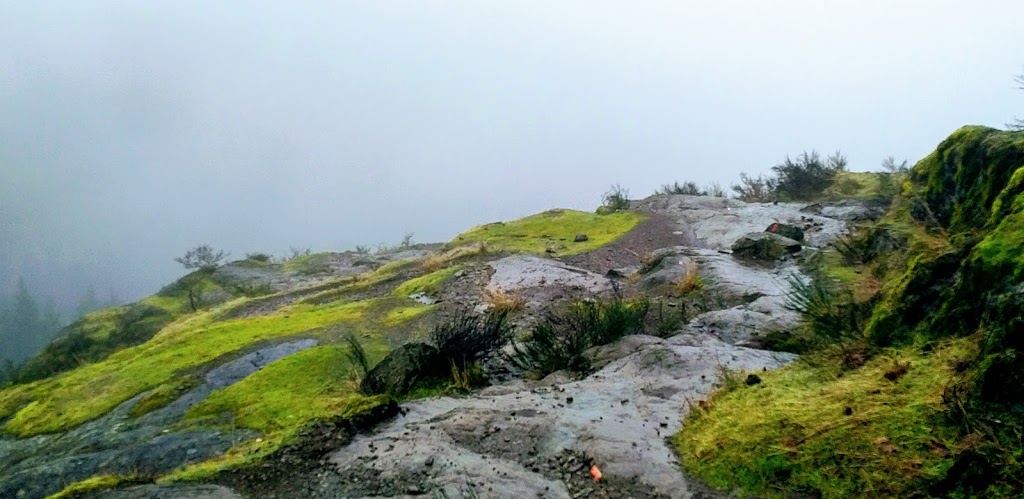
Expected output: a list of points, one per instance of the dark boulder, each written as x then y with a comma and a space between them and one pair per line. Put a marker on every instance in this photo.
786, 230
403, 368
764, 246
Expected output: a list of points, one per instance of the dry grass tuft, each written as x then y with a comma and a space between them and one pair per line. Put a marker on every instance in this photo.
502, 301
689, 281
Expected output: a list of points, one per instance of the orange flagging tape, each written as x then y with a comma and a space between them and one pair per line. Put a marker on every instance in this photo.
596, 473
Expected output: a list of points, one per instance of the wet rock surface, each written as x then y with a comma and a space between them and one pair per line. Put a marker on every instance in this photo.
119, 444
525, 440
716, 223
169, 492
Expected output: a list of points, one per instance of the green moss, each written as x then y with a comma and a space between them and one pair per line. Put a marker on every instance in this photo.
70, 399
95, 484
429, 283
289, 392
793, 435
164, 394
399, 315
962, 179
552, 230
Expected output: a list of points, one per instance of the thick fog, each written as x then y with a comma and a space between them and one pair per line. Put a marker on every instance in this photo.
130, 131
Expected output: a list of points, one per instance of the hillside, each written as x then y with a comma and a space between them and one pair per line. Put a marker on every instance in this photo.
679, 344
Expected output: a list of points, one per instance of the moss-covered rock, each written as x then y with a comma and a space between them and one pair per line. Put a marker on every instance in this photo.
403, 369
967, 173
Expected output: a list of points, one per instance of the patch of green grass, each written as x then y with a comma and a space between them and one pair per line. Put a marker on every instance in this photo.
96, 484
429, 283
853, 185
72, 398
822, 432
554, 230
164, 394
399, 315
289, 392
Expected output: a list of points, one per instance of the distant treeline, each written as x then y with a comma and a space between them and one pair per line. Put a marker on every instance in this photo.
28, 323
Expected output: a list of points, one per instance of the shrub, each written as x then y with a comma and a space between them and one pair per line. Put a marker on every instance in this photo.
753, 189
828, 311
686, 188
560, 338
807, 176
715, 190
616, 199
466, 337
259, 257
202, 257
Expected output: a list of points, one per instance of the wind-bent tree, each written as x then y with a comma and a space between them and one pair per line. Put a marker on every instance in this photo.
202, 257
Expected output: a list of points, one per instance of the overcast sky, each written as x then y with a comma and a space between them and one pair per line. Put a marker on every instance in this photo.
130, 131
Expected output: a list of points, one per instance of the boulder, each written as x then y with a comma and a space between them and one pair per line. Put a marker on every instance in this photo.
403, 368
786, 230
580, 238
765, 246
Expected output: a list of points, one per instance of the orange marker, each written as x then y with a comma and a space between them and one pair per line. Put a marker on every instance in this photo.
596, 473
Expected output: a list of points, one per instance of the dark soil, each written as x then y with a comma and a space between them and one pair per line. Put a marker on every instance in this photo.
630, 250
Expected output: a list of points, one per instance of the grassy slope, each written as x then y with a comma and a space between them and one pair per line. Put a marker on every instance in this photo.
948, 303
554, 229
429, 283
289, 393
72, 398
790, 434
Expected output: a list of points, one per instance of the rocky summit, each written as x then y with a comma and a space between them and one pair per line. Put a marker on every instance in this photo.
683, 346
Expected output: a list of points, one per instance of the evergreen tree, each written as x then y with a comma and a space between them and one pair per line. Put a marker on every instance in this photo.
88, 303
24, 323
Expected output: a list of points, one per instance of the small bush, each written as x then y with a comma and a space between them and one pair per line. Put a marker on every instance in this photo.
715, 190
467, 377
466, 337
560, 338
686, 188
616, 199
753, 189
806, 177
828, 311
259, 257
